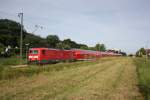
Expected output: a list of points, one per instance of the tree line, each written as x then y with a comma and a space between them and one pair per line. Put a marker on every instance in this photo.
10, 38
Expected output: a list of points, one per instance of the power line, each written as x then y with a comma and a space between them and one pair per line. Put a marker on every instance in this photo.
28, 22
27, 18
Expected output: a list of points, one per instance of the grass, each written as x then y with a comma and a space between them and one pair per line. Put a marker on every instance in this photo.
143, 70
5, 64
6, 72
105, 79
14, 60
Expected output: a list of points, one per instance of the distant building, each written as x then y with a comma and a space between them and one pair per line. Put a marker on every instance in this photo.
114, 50
147, 51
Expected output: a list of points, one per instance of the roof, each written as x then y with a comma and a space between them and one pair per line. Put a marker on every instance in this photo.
43, 49
147, 50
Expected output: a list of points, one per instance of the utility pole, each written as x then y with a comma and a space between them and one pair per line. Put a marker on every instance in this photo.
27, 46
20, 15
146, 49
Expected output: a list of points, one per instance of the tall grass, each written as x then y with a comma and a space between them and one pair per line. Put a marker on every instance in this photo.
14, 60
143, 70
7, 72
11, 73
10, 61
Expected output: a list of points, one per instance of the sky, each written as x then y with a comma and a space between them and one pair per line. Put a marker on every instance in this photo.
122, 24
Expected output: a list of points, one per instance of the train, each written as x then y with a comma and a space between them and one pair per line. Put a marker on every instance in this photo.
49, 55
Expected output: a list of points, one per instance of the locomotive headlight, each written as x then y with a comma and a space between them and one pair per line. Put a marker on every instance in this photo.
35, 56
30, 56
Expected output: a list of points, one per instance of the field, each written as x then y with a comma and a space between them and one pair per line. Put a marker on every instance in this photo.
105, 79
143, 71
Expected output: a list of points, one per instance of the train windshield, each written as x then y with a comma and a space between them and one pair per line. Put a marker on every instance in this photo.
33, 51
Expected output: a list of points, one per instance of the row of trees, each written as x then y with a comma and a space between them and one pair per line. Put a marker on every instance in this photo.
54, 42
10, 36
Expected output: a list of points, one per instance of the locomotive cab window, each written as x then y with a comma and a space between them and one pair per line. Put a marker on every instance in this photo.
43, 52
35, 52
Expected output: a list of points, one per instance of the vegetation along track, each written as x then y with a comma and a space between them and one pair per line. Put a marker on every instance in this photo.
112, 79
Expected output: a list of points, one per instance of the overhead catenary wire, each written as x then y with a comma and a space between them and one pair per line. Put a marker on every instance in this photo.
29, 24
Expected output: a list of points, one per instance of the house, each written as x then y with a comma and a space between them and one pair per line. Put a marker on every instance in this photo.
147, 52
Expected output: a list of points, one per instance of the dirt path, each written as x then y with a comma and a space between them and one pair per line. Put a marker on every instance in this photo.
109, 80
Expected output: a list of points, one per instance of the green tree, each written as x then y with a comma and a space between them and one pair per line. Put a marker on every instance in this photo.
52, 40
83, 46
103, 48
59, 45
66, 46
97, 47
10, 35
70, 43
2, 47
9, 32
100, 47
141, 52
91, 48
35, 41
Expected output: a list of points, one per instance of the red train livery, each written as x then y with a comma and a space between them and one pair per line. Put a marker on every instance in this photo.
85, 54
47, 55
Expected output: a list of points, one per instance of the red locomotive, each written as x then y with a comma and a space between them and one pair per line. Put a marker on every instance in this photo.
47, 55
